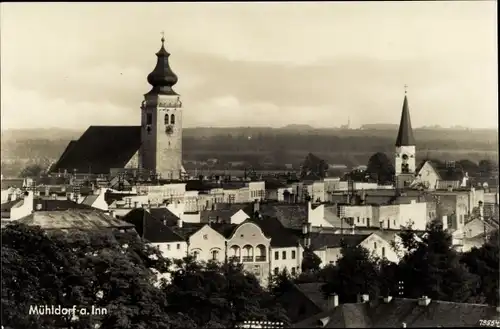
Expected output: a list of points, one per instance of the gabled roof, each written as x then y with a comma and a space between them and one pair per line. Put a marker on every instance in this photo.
405, 133
314, 293
7, 206
378, 314
221, 215
150, 228
445, 173
164, 214
101, 148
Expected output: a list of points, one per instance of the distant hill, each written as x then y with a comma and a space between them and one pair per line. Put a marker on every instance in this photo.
288, 144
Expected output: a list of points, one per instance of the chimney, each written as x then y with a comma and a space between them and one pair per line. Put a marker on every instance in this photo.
256, 206
179, 223
444, 222
387, 299
323, 321
112, 213
364, 298
424, 301
450, 188
136, 204
47, 191
333, 301
54, 196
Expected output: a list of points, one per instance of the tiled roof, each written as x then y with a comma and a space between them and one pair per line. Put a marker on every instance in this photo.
273, 184
378, 314
225, 230
101, 148
197, 185
163, 214
405, 133
150, 228
290, 215
321, 240
221, 214
79, 219
90, 199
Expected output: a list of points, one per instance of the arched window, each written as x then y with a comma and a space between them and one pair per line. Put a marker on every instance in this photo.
215, 254
166, 119
172, 119
196, 253
261, 253
375, 245
247, 253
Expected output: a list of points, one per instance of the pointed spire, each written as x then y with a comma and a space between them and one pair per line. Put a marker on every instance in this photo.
162, 78
405, 133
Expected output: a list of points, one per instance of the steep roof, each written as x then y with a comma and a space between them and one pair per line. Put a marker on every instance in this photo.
405, 133
151, 228
378, 314
101, 148
272, 228
321, 240
70, 146
289, 215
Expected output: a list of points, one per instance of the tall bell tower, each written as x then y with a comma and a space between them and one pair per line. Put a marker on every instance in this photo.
161, 122
405, 152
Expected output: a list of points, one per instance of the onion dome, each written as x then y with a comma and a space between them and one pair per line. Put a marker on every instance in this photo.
162, 78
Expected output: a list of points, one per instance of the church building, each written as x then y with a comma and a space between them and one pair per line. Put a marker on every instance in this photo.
153, 148
405, 152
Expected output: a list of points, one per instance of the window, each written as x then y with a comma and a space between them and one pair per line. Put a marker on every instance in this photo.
172, 119
394, 222
283, 255
166, 119
215, 254
178, 246
358, 219
149, 119
168, 246
293, 254
293, 271
374, 245
276, 255
276, 270
383, 251
196, 254
205, 236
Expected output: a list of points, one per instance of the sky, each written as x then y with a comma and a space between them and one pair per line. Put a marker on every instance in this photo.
71, 65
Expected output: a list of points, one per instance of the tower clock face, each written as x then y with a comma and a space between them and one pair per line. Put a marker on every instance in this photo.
405, 157
169, 130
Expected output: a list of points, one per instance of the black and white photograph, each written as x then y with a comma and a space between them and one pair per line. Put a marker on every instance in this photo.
329, 164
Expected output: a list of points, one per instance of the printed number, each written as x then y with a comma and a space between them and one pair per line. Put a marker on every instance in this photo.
489, 323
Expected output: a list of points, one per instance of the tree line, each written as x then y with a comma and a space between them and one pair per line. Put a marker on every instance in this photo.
430, 267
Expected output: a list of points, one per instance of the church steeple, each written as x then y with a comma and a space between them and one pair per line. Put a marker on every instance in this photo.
405, 133
162, 78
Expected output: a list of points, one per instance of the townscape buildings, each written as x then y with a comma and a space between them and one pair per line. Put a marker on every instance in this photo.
132, 178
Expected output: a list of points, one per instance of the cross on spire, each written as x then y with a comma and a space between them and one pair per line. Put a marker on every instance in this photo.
162, 37
406, 88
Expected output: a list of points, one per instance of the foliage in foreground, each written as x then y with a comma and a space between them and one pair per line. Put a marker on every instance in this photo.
118, 272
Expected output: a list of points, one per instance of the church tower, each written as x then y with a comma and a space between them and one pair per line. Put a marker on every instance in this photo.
405, 149
161, 122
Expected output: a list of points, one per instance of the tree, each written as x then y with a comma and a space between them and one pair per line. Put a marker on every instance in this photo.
470, 167
310, 261
487, 167
219, 295
356, 273
281, 283
101, 269
34, 170
484, 262
432, 268
380, 167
